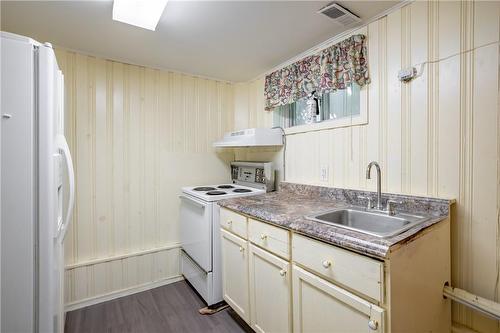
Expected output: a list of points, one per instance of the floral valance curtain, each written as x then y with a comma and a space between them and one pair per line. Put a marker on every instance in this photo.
335, 67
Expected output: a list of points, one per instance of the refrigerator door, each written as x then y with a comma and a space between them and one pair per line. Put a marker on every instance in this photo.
53, 159
64, 158
32, 187
18, 184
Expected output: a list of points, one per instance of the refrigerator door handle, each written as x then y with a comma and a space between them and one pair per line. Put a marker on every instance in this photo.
62, 145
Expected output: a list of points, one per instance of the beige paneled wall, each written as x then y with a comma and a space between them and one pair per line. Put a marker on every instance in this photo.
136, 135
250, 102
436, 136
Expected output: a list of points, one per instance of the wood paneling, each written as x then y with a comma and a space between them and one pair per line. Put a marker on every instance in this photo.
104, 279
437, 135
247, 113
136, 136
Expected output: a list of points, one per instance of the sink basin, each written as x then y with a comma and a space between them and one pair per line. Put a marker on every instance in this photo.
372, 223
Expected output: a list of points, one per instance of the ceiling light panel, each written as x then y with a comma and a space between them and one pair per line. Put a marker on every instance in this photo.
140, 13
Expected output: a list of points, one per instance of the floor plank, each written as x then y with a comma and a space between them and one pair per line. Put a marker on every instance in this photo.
171, 308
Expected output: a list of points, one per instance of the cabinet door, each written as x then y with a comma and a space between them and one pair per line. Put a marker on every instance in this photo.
270, 294
320, 306
235, 273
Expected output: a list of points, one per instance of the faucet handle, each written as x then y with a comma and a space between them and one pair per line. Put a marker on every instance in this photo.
390, 206
369, 204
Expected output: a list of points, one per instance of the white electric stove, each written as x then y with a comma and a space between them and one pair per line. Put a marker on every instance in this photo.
219, 192
200, 226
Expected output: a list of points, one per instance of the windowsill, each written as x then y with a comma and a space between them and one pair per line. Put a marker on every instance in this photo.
361, 119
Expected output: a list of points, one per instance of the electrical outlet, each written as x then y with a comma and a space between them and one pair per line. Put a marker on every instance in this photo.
323, 173
407, 74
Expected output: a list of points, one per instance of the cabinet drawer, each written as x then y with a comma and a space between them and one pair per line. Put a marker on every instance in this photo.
271, 238
234, 222
352, 270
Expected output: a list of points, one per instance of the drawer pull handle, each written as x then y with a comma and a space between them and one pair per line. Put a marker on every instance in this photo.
326, 264
263, 237
372, 324
241, 249
282, 272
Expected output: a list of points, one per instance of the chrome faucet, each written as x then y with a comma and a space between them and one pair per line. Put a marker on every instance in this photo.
379, 182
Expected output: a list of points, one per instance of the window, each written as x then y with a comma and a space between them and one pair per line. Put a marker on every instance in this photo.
336, 105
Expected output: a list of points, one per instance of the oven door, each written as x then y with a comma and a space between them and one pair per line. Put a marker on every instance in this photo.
196, 230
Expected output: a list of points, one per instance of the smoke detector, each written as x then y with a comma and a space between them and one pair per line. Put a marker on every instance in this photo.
339, 14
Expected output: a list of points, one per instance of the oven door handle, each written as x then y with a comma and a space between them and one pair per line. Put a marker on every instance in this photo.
192, 201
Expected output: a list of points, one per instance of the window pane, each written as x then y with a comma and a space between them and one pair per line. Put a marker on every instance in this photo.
341, 103
333, 105
300, 109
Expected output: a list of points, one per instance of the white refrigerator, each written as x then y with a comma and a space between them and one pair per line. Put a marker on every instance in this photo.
37, 187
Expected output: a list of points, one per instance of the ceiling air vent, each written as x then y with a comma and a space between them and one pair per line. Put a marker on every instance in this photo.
339, 14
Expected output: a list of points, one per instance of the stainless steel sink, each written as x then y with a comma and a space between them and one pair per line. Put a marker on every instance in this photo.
373, 223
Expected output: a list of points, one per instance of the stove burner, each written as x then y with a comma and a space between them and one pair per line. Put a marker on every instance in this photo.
242, 190
225, 186
204, 188
215, 193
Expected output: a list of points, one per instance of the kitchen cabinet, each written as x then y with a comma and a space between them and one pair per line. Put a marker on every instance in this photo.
321, 306
270, 292
281, 281
235, 273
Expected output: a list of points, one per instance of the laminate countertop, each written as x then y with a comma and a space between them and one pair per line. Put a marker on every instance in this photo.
288, 207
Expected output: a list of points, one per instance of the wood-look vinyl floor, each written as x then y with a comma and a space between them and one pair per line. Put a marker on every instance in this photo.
171, 308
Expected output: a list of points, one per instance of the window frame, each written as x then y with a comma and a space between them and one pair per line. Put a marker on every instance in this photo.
356, 120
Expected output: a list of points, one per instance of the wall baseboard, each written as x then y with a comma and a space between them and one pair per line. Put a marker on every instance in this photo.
121, 293
99, 280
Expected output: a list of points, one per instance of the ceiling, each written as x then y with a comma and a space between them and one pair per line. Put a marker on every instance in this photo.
229, 40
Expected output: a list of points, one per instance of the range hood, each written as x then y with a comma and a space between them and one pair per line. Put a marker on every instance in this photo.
252, 137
